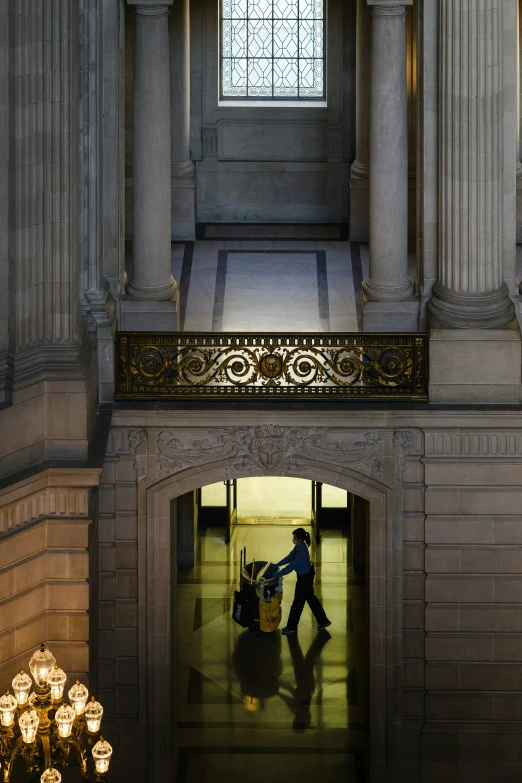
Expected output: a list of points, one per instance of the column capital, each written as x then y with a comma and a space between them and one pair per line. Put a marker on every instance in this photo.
389, 3
388, 7
158, 6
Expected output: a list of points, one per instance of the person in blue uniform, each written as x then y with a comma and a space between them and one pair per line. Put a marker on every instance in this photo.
299, 561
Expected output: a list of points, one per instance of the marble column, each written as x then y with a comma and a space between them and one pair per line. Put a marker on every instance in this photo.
470, 291
151, 272
360, 169
388, 280
182, 167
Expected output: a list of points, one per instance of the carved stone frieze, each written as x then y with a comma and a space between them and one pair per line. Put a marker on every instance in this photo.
138, 446
269, 449
402, 446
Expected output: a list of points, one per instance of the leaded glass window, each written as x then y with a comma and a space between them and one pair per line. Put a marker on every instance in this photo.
272, 49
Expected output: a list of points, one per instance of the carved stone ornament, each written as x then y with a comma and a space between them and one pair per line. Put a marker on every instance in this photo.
402, 445
269, 449
138, 446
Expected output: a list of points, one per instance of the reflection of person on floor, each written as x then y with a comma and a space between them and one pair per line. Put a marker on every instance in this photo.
258, 666
299, 561
301, 696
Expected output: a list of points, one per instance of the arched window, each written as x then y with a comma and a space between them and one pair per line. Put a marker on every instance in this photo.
272, 50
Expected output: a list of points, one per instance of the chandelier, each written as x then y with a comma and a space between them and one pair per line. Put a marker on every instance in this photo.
42, 729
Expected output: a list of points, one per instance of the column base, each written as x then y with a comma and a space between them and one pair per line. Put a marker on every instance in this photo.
475, 365
163, 292
448, 308
391, 316
148, 315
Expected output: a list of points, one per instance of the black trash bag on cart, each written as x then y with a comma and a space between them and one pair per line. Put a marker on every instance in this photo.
246, 607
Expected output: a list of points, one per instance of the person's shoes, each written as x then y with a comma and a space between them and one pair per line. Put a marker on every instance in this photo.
288, 630
323, 626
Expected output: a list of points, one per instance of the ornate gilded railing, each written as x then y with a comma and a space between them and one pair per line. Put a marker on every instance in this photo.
168, 366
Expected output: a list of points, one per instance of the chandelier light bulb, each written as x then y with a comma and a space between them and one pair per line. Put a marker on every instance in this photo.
64, 718
93, 716
51, 776
8, 705
21, 686
41, 665
28, 723
78, 696
56, 680
101, 754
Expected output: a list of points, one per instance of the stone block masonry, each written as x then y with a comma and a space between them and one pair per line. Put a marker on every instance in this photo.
44, 570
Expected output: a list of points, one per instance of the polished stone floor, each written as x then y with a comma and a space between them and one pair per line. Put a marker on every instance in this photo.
253, 708
284, 282
288, 278
273, 284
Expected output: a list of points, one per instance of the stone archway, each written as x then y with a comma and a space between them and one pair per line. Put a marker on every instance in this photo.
179, 467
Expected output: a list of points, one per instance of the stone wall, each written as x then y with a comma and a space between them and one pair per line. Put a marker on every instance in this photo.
472, 667
44, 570
454, 491
118, 588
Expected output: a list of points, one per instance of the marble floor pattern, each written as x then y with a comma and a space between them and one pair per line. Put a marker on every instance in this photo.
278, 284
256, 708
265, 285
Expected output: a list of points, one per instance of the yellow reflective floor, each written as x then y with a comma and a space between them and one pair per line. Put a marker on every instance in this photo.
253, 708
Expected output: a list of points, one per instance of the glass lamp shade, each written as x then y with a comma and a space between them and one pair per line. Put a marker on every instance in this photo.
28, 723
64, 718
101, 754
56, 680
21, 686
41, 665
8, 705
51, 776
78, 696
93, 715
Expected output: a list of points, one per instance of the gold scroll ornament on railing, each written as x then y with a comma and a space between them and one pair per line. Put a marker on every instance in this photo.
268, 366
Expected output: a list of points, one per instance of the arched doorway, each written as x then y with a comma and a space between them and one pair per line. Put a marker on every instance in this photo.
256, 706
384, 569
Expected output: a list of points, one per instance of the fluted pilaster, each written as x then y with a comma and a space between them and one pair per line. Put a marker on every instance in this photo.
470, 291
44, 153
6, 347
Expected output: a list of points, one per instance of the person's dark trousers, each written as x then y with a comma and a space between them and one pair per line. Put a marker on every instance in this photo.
304, 592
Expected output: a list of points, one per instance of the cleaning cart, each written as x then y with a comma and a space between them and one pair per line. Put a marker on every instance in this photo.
257, 603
